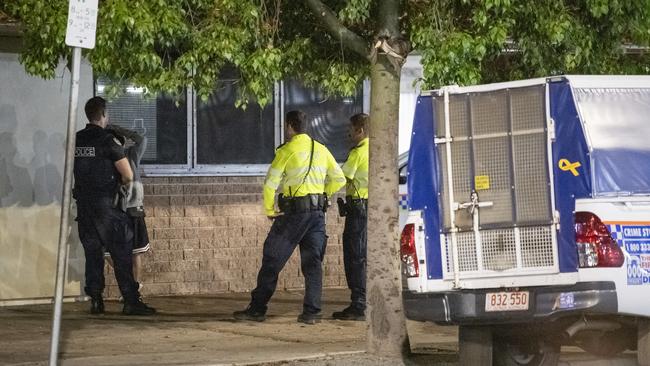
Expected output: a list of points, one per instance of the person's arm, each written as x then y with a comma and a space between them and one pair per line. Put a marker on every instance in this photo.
335, 177
140, 147
129, 134
273, 179
136, 152
350, 166
139, 143
124, 168
117, 155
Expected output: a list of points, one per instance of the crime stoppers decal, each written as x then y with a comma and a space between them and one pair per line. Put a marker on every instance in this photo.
635, 239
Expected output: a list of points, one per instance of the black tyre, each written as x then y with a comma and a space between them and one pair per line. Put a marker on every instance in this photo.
608, 344
474, 346
509, 353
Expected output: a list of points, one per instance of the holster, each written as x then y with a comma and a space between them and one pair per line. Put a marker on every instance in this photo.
310, 202
343, 207
122, 196
355, 204
135, 211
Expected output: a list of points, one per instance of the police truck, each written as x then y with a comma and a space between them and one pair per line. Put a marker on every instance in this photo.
528, 217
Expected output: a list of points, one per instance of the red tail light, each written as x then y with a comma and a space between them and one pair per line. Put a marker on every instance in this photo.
407, 251
596, 247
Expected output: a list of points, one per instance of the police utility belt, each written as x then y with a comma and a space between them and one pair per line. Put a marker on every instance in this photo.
350, 204
310, 202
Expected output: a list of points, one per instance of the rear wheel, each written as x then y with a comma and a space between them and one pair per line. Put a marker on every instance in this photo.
475, 346
535, 353
607, 344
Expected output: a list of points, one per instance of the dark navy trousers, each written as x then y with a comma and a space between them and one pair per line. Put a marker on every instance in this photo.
355, 246
102, 226
306, 230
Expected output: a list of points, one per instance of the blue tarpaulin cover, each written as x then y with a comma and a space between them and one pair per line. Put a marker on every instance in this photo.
571, 169
617, 126
423, 181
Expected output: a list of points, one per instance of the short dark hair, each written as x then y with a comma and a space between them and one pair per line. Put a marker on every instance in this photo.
297, 120
360, 120
95, 108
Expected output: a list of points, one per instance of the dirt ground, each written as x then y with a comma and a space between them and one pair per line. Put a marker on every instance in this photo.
196, 330
200, 330
363, 359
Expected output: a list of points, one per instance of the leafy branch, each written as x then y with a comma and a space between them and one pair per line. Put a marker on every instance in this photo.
339, 31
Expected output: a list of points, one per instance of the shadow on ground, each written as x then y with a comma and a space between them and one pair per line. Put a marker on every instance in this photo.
200, 330
193, 330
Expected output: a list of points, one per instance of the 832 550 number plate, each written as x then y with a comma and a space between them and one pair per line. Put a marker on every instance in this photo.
507, 301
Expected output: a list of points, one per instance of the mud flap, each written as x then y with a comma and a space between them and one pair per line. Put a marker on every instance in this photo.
643, 343
475, 346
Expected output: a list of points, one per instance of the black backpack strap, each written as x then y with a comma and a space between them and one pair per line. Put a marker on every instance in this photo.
311, 159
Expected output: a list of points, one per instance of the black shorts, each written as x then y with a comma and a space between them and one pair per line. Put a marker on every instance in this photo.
140, 236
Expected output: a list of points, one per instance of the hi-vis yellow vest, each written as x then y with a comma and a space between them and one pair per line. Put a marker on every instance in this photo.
356, 170
290, 165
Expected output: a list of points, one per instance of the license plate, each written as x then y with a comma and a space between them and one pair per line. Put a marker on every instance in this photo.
506, 301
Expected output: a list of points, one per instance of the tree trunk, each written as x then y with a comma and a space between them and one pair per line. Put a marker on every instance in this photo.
387, 325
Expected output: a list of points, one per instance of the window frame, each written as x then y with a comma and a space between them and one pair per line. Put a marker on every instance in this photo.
176, 169
192, 168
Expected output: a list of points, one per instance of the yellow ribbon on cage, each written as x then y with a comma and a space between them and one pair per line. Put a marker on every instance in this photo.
566, 165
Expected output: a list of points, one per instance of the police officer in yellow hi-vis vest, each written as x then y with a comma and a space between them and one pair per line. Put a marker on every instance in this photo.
355, 210
308, 174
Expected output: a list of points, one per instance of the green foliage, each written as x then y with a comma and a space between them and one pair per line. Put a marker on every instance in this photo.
46, 23
336, 78
471, 42
167, 45
355, 11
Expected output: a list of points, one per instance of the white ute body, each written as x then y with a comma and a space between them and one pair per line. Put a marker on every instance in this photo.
529, 203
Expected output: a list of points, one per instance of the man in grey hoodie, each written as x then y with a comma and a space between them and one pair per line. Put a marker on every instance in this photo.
132, 200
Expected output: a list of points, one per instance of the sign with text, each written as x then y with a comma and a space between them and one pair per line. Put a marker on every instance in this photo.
82, 23
635, 240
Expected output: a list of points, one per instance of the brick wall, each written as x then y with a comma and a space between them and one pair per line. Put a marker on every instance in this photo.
206, 237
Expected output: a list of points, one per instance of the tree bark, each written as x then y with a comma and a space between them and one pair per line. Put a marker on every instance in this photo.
387, 324
335, 28
386, 321
389, 18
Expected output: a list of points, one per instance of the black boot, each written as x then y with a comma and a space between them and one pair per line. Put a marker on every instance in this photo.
349, 313
249, 314
137, 308
96, 305
310, 319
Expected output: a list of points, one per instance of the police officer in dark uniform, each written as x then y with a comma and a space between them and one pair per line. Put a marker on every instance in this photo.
308, 174
100, 166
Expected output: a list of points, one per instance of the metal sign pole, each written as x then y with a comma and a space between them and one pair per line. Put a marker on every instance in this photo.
80, 33
62, 259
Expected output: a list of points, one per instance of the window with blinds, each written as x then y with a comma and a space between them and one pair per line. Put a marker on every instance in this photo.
226, 134
329, 116
161, 119
190, 136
